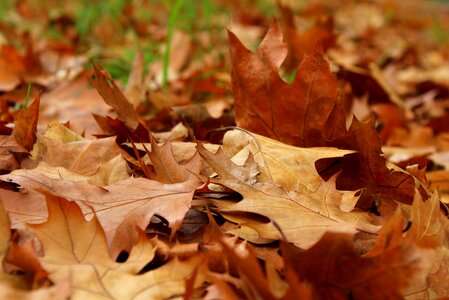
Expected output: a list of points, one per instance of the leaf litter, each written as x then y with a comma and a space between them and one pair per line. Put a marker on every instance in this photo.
311, 167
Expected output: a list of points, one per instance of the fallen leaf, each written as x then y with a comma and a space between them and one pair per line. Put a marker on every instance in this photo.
120, 207
26, 124
294, 113
337, 271
60, 291
291, 167
429, 229
309, 113
368, 169
77, 249
167, 169
60, 147
292, 211
73, 102
112, 95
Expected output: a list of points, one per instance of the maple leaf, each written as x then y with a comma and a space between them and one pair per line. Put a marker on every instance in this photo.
77, 249
292, 211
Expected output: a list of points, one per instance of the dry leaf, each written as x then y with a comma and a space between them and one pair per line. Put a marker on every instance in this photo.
292, 211
112, 95
76, 249
120, 207
295, 114
337, 271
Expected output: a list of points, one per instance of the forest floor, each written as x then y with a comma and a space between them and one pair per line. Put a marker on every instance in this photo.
224, 149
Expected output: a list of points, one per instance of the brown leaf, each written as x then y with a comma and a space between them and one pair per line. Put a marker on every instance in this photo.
302, 43
167, 170
61, 153
294, 113
254, 281
26, 124
293, 211
308, 113
5, 231
77, 249
337, 271
60, 291
120, 207
368, 169
112, 95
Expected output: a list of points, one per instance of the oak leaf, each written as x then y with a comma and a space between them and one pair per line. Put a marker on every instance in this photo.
61, 151
309, 113
293, 212
293, 113
77, 249
16, 286
337, 271
167, 169
120, 207
369, 170
429, 230
291, 167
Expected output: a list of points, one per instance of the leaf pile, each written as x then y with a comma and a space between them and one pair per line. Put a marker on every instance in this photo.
314, 167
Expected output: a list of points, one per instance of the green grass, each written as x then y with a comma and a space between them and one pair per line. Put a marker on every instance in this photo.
91, 11
170, 27
28, 95
438, 32
5, 6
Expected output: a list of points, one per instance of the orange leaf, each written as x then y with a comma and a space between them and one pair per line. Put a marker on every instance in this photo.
294, 113
112, 95
26, 124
